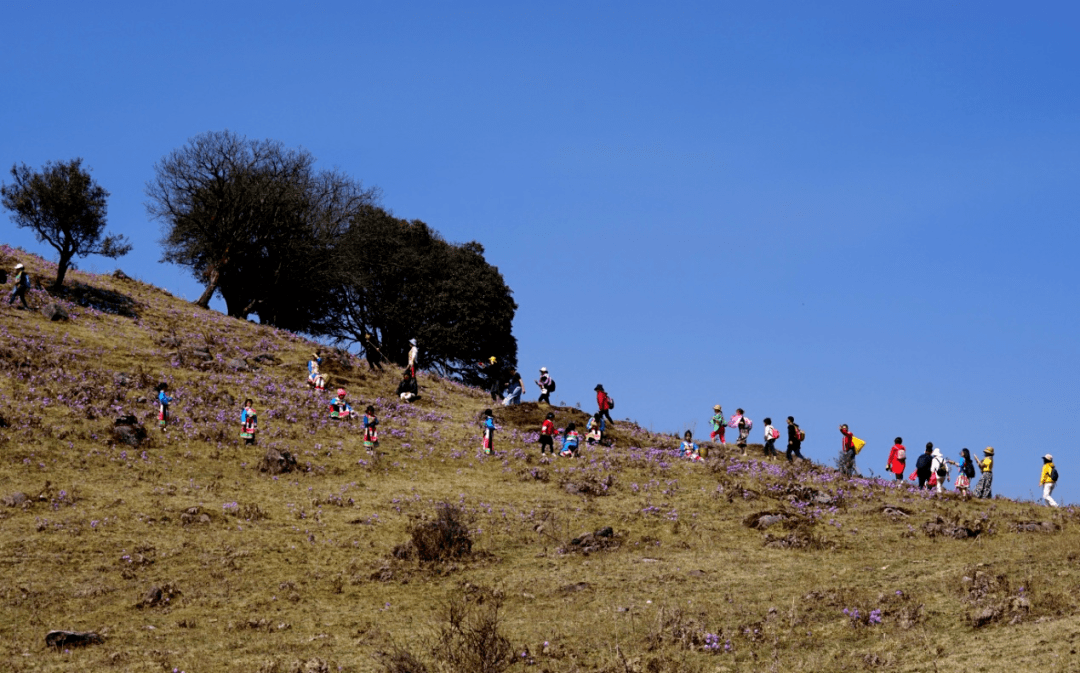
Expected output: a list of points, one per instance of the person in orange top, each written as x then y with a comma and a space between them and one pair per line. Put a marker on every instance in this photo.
897, 459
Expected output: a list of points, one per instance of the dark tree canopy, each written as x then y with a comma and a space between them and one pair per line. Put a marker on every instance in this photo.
66, 208
401, 280
256, 222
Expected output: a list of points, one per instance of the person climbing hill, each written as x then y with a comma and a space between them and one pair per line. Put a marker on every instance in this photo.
743, 424
546, 385
488, 444
719, 424
248, 422
571, 439
371, 429
897, 462
771, 435
163, 405
984, 489
22, 285
795, 438
604, 402
547, 434
1048, 479
847, 452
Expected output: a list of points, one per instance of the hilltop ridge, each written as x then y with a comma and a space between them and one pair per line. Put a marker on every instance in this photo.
185, 555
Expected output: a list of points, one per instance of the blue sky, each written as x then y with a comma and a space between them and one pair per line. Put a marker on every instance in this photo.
846, 212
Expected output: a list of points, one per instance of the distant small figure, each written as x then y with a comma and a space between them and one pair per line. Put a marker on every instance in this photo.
795, 437
249, 422
924, 467
371, 429
744, 424
570, 441
983, 489
604, 402
967, 472
372, 353
489, 432
546, 385
163, 405
315, 379
494, 373
547, 434
688, 449
1048, 480
407, 389
515, 387
339, 408
414, 353
719, 424
594, 429
897, 462
22, 285
771, 435
847, 452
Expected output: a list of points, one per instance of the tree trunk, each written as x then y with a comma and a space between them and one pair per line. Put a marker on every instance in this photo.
204, 300
61, 270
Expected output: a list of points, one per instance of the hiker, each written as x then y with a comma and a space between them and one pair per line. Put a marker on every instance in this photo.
339, 408
315, 379
795, 437
923, 466
248, 423
847, 452
372, 352
494, 377
689, 449
371, 429
407, 390
489, 432
515, 388
22, 284
604, 402
986, 481
595, 429
718, 424
413, 353
967, 471
771, 435
163, 404
547, 434
939, 469
570, 441
897, 462
1048, 480
546, 385
743, 424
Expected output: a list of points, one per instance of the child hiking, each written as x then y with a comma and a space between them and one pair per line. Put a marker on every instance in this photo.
604, 402
967, 472
163, 405
249, 422
547, 434
771, 435
546, 385
570, 441
795, 438
489, 432
718, 424
743, 424
595, 429
371, 429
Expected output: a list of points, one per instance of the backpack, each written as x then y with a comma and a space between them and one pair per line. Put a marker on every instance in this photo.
802, 435
551, 385
1053, 474
969, 470
610, 402
774, 433
901, 455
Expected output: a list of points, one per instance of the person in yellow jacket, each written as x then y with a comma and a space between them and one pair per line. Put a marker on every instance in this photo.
1048, 479
986, 481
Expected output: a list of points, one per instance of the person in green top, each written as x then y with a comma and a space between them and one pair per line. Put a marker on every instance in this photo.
982, 489
718, 425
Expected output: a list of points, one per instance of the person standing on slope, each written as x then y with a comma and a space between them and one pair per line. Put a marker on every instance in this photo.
515, 389
939, 467
547, 434
414, 353
371, 429
22, 285
984, 489
897, 462
847, 452
163, 405
743, 424
967, 471
604, 402
1048, 480
546, 385
795, 438
719, 424
771, 435
489, 432
248, 422
924, 466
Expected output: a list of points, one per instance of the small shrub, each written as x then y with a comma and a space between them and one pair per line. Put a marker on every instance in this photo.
445, 538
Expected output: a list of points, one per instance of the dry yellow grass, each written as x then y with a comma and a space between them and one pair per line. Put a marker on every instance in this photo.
299, 570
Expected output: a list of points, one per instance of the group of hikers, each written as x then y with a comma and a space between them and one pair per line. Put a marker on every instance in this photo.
506, 386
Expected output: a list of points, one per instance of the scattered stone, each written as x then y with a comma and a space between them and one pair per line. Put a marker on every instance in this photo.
574, 588
122, 381
985, 616
696, 573
171, 342
959, 530
1035, 527
893, 512
202, 353
762, 520
120, 275
126, 430
266, 358
277, 462
157, 596
16, 499
237, 364
571, 488
66, 639
55, 312
587, 543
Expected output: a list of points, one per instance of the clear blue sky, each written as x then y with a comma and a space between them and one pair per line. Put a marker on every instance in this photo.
847, 212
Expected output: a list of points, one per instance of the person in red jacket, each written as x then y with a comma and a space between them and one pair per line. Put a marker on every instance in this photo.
897, 459
547, 434
847, 453
604, 402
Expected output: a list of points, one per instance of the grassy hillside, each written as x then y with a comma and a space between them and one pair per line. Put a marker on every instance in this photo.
186, 557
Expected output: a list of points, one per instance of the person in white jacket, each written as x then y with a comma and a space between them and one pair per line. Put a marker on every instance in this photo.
939, 467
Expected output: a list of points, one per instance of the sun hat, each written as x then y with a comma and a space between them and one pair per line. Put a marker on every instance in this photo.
716, 407
19, 266
1048, 458
543, 370
341, 392
989, 450
412, 342
598, 387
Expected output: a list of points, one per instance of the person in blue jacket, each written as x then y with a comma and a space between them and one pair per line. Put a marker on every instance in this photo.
163, 404
248, 422
339, 408
489, 432
315, 379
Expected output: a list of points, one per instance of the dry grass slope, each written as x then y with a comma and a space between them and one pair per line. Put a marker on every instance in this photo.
186, 557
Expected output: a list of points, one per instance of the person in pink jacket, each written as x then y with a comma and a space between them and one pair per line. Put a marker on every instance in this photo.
897, 459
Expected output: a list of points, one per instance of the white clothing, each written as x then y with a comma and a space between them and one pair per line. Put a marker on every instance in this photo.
413, 352
1048, 488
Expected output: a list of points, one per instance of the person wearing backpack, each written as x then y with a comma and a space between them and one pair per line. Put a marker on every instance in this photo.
546, 385
604, 402
719, 424
967, 471
939, 467
771, 435
22, 284
743, 424
924, 466
983, 489
795, 437
1048, 480
547, 434
897, 462
847, 452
